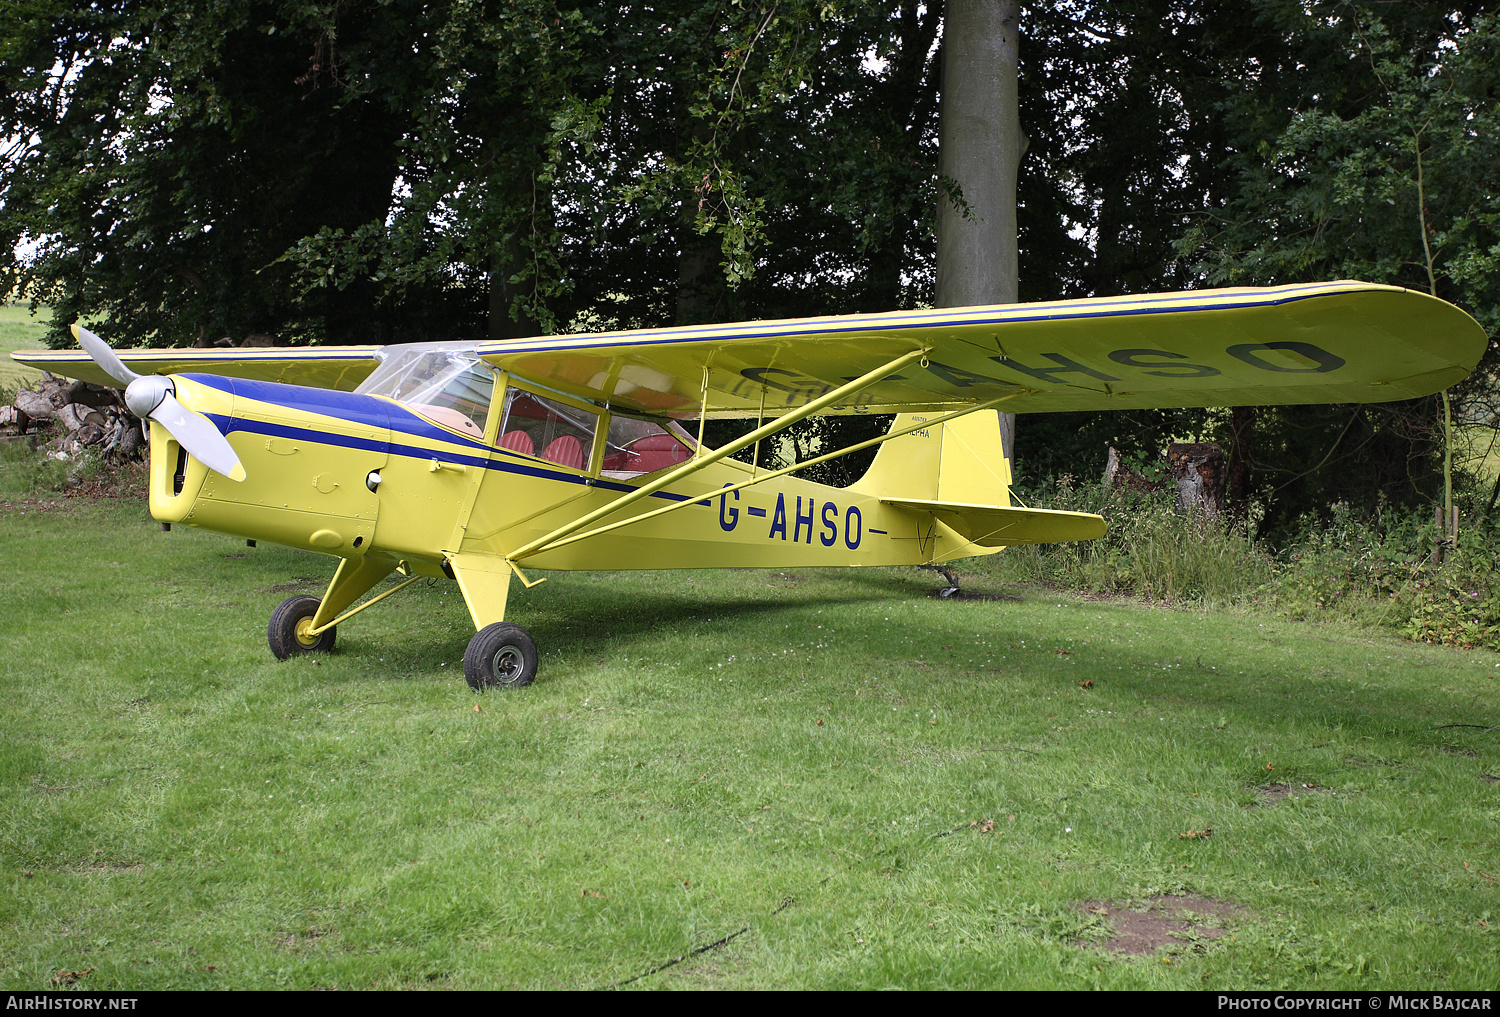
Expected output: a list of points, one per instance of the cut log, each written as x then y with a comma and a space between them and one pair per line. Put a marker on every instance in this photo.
1198, 472
131, 439
35, 405
75, 416
86, 394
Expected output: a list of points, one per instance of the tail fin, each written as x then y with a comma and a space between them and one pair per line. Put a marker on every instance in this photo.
960, 461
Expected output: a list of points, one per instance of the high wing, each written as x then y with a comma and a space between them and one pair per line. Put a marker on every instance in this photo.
340, 367
1319, 343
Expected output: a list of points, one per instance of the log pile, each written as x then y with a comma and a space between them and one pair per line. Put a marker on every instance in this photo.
79, 415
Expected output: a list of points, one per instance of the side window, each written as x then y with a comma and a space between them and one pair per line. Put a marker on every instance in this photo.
534, 425
639, 446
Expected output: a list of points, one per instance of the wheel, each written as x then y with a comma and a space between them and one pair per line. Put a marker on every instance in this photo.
287, 632
501, 655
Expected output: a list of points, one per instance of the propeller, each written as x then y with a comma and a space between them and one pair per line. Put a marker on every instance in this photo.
152, 396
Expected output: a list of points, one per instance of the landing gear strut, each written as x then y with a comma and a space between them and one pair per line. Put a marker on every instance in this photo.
942, 570
501, 655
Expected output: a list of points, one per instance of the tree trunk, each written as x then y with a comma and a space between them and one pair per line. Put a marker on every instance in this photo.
504, 264
1117, 474
1198, 472
980, 145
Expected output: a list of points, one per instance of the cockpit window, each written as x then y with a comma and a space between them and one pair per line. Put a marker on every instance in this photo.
445, 383
639, 446
534, 425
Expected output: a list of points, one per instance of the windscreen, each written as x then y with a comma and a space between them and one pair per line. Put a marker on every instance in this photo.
446, 383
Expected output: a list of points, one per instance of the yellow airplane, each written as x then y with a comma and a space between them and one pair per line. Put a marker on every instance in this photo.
472, 459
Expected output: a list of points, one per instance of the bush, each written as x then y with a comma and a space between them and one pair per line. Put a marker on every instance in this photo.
1378, 570
1459, 603
1149, 550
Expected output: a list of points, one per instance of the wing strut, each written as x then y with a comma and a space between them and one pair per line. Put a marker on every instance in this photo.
692, 466
731, 488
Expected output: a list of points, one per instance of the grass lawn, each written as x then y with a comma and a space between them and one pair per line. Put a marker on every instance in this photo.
797, 755
19, 331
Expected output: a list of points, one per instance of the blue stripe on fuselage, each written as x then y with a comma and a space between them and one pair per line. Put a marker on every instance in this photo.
266, 427
351, 406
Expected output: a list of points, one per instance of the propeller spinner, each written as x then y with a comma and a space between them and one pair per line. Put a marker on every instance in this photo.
152, 396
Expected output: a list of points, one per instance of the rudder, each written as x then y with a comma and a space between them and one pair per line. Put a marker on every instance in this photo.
961, 460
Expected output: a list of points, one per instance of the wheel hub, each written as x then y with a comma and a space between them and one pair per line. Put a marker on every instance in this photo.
508, 664
304, 632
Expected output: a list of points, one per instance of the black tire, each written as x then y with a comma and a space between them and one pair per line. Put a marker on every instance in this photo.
500, 656
291, 615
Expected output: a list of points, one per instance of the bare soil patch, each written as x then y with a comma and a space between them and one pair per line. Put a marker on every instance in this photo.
1489, 778
295, 584
1140, 928
1275, 794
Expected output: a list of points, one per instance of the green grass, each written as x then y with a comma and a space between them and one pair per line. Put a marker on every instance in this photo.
177, 809
19, 331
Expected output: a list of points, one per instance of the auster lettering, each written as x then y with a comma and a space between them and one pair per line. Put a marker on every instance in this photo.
830, 535
800, 519
778, 521
853, 523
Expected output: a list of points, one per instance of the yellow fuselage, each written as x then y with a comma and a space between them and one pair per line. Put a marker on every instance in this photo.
309, 455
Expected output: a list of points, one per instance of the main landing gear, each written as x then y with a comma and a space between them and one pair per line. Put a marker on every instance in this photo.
290, 632
500, 656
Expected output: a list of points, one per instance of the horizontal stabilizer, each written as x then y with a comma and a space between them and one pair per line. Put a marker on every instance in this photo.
999, 526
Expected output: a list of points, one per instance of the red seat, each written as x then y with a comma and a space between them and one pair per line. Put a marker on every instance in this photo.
565, 451
657, 452
519, 441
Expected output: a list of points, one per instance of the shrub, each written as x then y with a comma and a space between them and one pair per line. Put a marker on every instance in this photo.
1149, 550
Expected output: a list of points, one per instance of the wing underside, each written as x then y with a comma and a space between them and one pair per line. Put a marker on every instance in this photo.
337, 367
1328, 342
1320, 343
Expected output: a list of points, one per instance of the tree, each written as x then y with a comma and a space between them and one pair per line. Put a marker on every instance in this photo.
980, 150
1401, 185
140, 168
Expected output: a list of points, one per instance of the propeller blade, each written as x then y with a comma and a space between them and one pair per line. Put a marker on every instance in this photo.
199, 436
102, 355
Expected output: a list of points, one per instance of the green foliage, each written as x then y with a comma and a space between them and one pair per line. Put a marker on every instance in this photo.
1150, 550
1459, 604
1381, 571
1386, 572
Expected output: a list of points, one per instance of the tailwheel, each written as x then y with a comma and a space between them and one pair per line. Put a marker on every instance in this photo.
290, 628
501, 655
